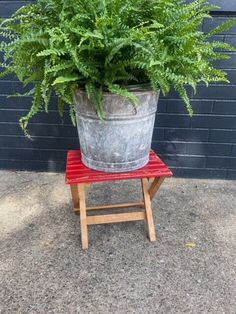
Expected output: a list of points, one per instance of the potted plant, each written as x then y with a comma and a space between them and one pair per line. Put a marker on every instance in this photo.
107, 60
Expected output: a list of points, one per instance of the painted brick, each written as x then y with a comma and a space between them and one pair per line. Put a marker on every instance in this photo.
225, 107
46, 130
33, 154
193, 135
173, 94
39, 142
184, 161
199, 106
161, 108
227, 63
22, 103
33, 165
7, 8
209, 24
214, 122
234, 151
231, 39
169, 147
224, 5
231, 174
19, 154
9, 129
10, 77
199, 173
216, 91
209, 149
1, 57
172, 120
227, 136
231, 75
217, 38
221, 162
15, 103
51, 117
10, 88
158, 134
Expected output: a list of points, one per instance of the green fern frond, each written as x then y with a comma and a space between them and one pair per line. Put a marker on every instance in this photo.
49, 52
183, 94
72, 115
222, 28
61, 105
35, 109
63, 65
123, 92
66, 79
95, 95
107, 45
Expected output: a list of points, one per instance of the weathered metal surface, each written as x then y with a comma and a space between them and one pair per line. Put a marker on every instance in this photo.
122, 142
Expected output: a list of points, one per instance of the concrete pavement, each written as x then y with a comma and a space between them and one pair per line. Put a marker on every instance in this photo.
190, 269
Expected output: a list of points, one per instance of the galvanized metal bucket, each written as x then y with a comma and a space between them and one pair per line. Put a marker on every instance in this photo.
122, 142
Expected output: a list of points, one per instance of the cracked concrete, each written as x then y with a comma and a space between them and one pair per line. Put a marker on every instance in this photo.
190, 269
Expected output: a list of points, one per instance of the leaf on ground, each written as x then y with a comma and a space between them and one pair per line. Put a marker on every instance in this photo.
191, 245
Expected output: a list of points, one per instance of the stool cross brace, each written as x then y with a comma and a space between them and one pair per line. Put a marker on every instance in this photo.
149, 189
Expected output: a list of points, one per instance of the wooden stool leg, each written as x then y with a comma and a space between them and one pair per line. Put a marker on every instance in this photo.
75, 195
148, 210
83, 217
157, 182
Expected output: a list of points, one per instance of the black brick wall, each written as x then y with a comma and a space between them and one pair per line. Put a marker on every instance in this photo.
204, 146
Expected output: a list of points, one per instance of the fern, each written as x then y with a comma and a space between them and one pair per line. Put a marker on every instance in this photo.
35, 108
66, 79
105, 46
223, 27
95, 95
61, 105
123, 92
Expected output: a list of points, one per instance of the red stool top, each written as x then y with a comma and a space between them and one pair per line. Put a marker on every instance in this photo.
77, 172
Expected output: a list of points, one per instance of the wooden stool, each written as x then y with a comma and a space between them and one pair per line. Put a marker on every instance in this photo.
78, 176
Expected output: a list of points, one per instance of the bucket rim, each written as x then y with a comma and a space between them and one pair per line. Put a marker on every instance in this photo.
139, 89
